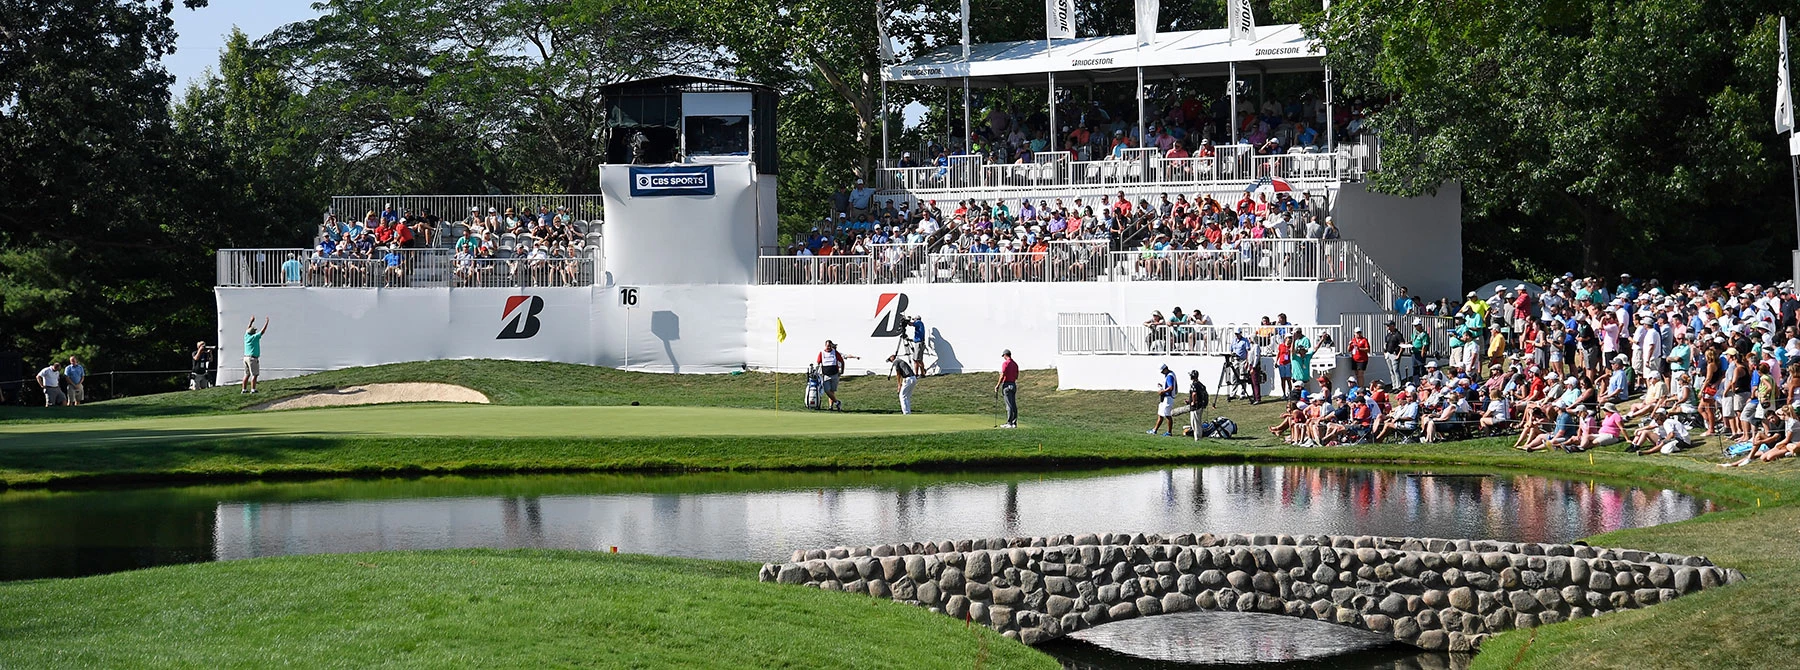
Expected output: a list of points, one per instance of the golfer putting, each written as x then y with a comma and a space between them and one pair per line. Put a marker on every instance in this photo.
1008, 388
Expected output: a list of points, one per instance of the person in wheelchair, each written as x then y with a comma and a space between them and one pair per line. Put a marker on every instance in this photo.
1454, 412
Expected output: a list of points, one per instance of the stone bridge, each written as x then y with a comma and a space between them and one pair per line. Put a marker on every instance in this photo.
1431, 593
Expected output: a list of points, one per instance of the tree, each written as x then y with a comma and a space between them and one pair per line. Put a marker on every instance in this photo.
1612, 135
97, 259
473, 96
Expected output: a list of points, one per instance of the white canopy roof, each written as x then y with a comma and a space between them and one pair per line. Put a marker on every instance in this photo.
1191, 53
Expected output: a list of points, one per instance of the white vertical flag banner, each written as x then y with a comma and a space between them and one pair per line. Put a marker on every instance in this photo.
1146, 21
1784, 92
965, 28
1059, 19
1242, 23
881, 34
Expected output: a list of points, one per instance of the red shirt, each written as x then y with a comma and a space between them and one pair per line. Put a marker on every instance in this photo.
1359, 349
1009, 371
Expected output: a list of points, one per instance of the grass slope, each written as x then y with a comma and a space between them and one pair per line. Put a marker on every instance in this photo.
473, 609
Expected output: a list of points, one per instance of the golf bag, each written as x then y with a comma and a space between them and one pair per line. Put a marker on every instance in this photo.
1219, 428
812, 386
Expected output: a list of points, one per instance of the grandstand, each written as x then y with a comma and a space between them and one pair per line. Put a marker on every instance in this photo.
1012, 238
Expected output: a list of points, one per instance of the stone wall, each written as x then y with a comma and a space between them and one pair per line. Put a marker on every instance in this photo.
1432, 593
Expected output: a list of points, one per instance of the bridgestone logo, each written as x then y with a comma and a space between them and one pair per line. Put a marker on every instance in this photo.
922, 72
1283, 51
1087, 62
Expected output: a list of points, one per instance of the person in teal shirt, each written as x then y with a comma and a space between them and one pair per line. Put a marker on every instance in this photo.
1301, 358
253, 354
290, 270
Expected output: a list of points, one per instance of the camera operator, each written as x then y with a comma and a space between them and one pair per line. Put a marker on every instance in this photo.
1248, 358
202, 364
915, 327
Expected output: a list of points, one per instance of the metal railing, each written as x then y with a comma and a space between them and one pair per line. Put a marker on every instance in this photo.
1374, 325
423, 268
1092, 260
1076, 338
453, 210
1230, 163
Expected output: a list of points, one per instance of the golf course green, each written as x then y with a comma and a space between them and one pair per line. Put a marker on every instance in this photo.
481, 421
550, 417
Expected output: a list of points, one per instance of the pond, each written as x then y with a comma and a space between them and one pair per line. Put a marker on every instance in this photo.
765, 516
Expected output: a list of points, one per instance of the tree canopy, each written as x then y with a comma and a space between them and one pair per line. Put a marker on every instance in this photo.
1625, 135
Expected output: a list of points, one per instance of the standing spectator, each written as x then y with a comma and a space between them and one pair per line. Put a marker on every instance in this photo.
201, 366
904, 375
50, 379
75, 373
1300, 357
253, 354
1165, 404
1391, 345
291, 270
861, 198
1008, 387
1359, 357
1421, 347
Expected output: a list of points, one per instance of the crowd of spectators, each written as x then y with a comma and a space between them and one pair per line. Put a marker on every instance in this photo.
1179, 127
1581, 365
509, 248
1018, 233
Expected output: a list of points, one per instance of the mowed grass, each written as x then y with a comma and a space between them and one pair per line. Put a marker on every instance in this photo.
475, 609
481, 421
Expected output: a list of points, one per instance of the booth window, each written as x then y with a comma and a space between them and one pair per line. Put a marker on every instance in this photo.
718, 135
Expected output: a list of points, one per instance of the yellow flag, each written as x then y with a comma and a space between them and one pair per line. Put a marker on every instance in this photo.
780, 331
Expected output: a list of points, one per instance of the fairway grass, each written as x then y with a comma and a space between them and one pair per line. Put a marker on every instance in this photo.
481, 421
475, 609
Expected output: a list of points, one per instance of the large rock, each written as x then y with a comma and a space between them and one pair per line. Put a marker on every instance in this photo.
792, 574
977, 566
951, 581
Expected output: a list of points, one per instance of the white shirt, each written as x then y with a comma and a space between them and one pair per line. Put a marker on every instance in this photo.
50, 377
1673, 428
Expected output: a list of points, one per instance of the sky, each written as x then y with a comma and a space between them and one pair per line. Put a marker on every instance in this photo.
202, 32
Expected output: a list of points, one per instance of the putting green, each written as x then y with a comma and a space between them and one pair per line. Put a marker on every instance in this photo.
496, 421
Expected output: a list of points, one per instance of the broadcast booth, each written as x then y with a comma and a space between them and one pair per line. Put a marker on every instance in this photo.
691, 164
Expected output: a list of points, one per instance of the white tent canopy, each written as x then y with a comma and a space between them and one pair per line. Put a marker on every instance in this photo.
1191, 53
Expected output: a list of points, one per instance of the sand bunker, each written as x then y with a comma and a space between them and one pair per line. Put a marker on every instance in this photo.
375, 394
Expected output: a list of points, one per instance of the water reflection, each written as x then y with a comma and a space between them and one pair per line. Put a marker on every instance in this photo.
1243, 641
764, 517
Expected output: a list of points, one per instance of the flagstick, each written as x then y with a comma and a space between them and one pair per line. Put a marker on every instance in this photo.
777, 375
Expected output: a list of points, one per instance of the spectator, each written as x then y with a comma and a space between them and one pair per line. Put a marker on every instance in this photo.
253, 354
292, 272
200, 372
75, 374
50, 380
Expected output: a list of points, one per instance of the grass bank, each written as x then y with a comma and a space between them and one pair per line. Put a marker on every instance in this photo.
468, 609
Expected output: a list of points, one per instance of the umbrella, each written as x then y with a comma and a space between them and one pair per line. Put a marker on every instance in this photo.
1269, 185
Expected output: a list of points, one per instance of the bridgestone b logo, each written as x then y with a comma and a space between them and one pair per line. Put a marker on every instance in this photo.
888, 309
524, 323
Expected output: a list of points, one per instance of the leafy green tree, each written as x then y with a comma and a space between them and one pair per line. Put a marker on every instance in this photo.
1598, 136
95, 257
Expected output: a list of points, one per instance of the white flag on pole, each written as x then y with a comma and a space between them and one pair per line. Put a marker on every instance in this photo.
1146, 21
881, 34
1784, 93
965, 28
1059, 19
1242, 23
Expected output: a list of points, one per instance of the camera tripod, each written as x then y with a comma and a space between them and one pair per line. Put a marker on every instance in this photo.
1235, 378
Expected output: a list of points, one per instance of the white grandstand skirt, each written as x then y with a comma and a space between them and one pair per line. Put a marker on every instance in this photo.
723, 328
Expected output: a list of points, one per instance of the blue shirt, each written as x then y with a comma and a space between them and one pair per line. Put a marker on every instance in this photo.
253, 345
1615, 387
392, 259
75, 373
290, 269
918, 328
1168, 385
